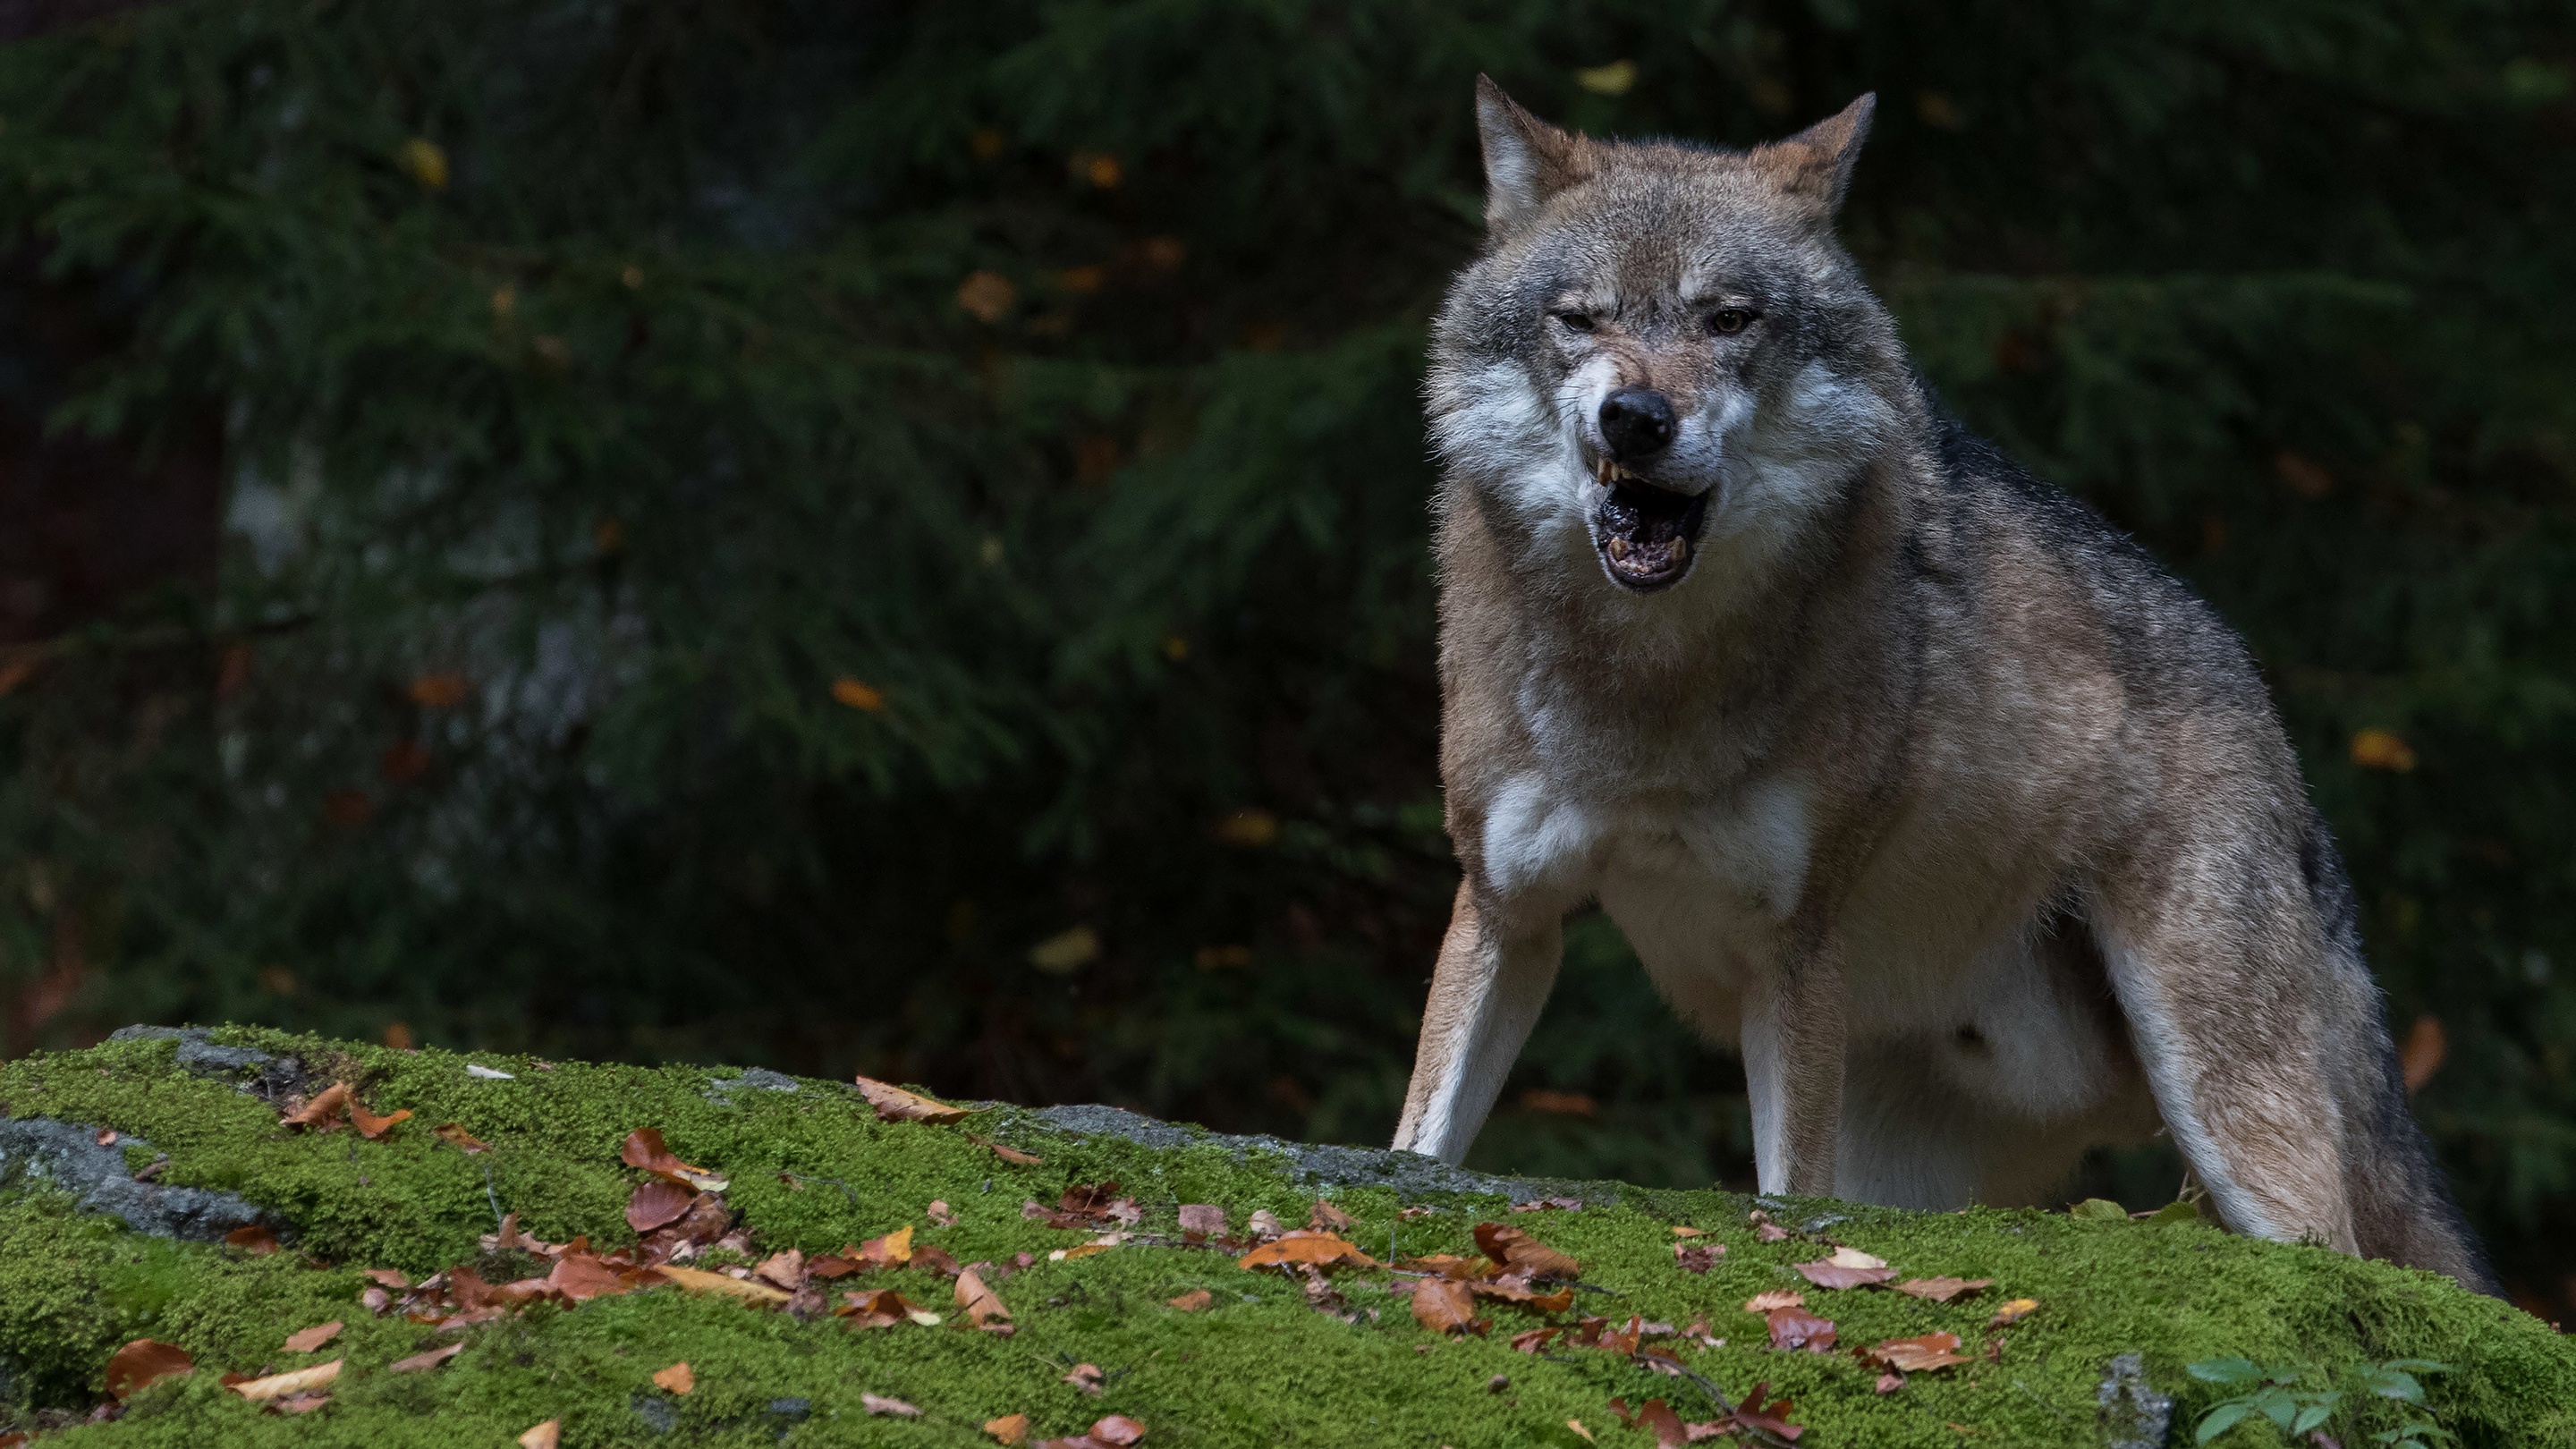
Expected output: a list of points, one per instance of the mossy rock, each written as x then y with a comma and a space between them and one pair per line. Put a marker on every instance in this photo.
812, 1167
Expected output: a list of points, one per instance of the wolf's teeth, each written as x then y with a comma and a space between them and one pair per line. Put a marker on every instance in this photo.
1618, 547
1681, 549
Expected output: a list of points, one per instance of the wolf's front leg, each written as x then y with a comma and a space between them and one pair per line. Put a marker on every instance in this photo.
1794, 1032
1485, 996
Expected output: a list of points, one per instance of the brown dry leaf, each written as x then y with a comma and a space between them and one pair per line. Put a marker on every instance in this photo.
884, 1308
981, 1306
941, 1214
373, 1127
1327, 1218
697, 1280
1534, 1340
1795, 1328
429, 1360
106, 1137
1683, 1231
894, 1104
548, 1435
278, 1386
1002, 1150
1265, 1224
254, 1239
679, 1378
580, 1277
782, 1270
1942, 1290
1444, 1305
1763, 1228
1888, 1383
389, 1277
1193, 1301
1117, 1430
1847, 1268
644, 1149
892, 1250
1086, 1377
312, 1338
656, 1203
1010, 1429
1775, 1298
2013, 1312
1518, 1252
467, 1142
1200, 1217
1698, 1257
1925, 1354
880, 1404
323, 1111
143, 1362
1657, 1418
1320, 1249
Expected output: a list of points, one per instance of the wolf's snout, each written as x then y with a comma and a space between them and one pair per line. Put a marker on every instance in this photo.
1637, 422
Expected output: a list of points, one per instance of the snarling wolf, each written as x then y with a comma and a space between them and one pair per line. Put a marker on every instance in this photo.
1899, 768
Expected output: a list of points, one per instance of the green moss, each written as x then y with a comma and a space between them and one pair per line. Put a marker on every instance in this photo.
813, 1169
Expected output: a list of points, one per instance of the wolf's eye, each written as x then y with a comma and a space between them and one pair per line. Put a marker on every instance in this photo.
1574, 321
1727, 321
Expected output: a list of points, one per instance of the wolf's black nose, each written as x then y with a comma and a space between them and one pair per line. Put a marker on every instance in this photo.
1637, 421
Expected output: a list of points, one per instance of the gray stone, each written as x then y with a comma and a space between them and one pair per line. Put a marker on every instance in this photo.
278, 1077
2134, 1415
1410, 1174
721, 1091
795, 1411
659, 1415
39, 1150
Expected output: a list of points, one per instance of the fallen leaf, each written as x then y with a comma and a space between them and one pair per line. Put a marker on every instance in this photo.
429, 1360
1888, 1383
1193, 1301
1656, 1417
1515, 1289
656, 1203
1577, 1426
979, 1303
1942, 1290
892, 1250
1698, 1257
1518, 1252
1796, 1328
1004, 1151
1418, 1210
782, 1270
252, 1238
644, 1149
322, 1111
548, 1435
1847, 1268
466, 1142
373, 1127
1763, 1228
580, 1277
1916, 1355
106, 1137
144, 1362
1101, 1244
2013, 1312
879, 1404
697, 1280
1681, 1230
1321, 1249
275, 1386
2098, 1209
312, 1338
1535, 1339
941, 1214
884, 1308
894, 1104
1444, 1305
1086, 1377
389, 1277
1010, 1429
679, 1378
1200, 1217
1754, 1414
1326, 1217
1549, 1204
1117, 1430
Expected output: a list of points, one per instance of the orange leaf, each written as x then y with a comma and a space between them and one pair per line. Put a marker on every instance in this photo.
253, 1238
1193, 1301
1942, 1290
373, 1127
278, 1386
864, 697
2378, 749
466, 1141
678, 1378
144, 1362
978, 1301
1010, 1429
323, 1111
429, 1360
893, 1250
2013, 1312
644, 1149
1321, 1249
894, 1104
1518, 1252
313, 1338
1444, 1305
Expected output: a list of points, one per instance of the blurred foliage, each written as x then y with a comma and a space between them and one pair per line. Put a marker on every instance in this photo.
745, 519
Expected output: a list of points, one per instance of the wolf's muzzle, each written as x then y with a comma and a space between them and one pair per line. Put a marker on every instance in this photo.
1638, 423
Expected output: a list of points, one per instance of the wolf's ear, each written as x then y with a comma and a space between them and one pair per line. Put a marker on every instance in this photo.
1815, 165
1526, 159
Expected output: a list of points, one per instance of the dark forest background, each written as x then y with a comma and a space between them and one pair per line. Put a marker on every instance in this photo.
892, 537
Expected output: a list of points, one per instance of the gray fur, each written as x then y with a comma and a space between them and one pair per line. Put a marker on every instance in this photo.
1902, 770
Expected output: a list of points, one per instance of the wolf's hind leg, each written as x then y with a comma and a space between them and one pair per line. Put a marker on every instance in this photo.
1486, 994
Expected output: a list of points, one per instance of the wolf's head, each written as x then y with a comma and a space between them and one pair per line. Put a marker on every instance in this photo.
1662, 350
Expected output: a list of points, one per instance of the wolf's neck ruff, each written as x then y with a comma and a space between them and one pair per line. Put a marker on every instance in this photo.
1904, 774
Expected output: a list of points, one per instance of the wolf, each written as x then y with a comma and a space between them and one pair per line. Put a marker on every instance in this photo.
1905, 772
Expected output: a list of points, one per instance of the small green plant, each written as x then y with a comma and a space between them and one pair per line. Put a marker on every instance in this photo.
2285, 1396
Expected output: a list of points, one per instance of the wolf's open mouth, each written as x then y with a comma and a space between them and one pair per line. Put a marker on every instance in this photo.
1646, 533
